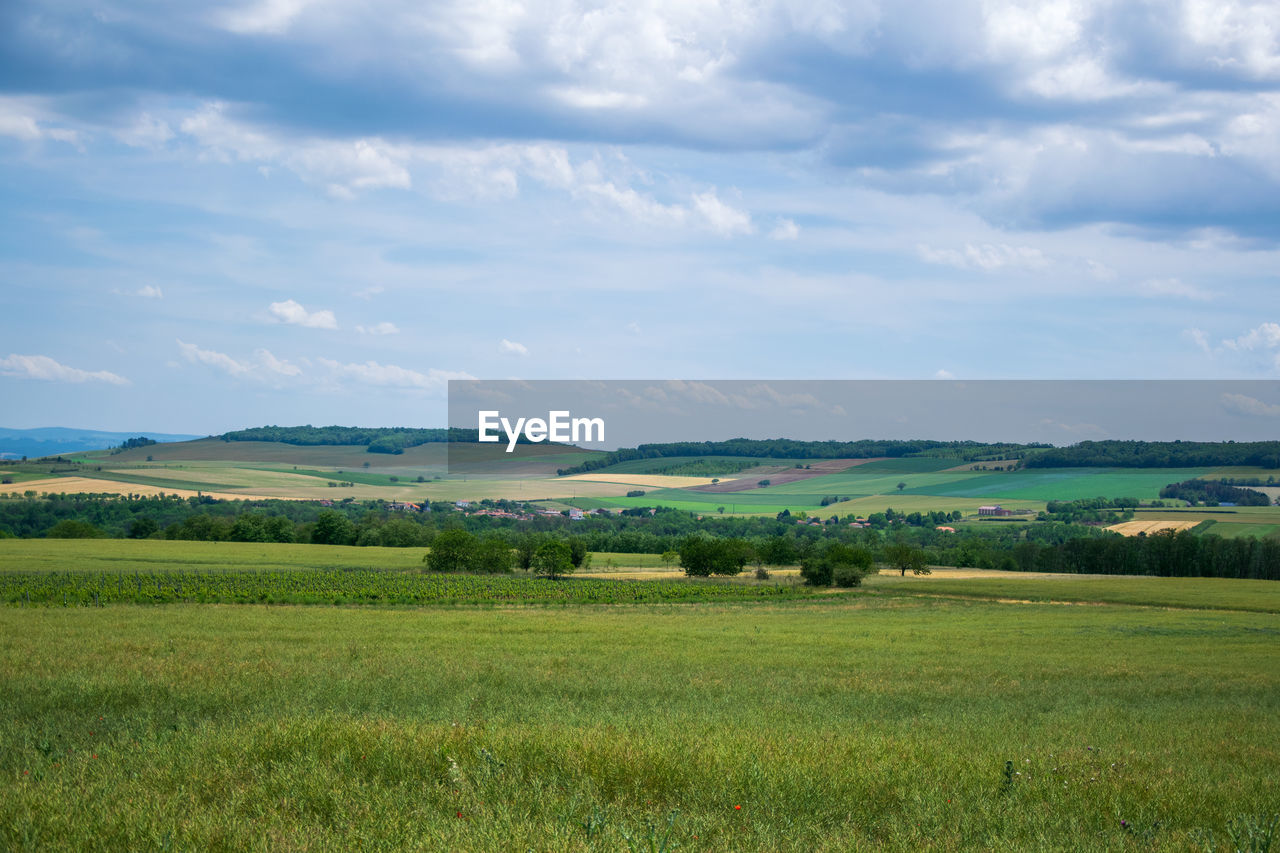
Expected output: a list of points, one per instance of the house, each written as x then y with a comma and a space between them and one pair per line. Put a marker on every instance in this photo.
404, 506
462, 504
993, 511
575, 514
945, 529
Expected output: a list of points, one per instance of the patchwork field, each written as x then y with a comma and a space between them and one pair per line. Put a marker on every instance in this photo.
922, 713
1149, 526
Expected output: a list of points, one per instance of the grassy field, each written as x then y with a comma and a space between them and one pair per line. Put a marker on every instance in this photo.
876, 719
842, 724
1193, 593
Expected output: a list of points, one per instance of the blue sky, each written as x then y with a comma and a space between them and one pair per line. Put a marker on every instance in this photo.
219, 215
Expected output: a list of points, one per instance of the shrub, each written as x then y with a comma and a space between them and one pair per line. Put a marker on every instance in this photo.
69, 528
453, 550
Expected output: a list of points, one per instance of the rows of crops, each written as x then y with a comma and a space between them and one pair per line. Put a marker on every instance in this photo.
355, 587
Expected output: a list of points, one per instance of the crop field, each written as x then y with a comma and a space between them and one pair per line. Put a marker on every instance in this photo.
1234, 529
887, 719
1047, 484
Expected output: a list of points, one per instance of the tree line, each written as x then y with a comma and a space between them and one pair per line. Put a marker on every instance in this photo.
1158, 454
786, 448
1212, 493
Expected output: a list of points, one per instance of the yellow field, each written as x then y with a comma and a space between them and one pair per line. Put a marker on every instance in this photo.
1149, 526
652, 481
267, 485
88, 485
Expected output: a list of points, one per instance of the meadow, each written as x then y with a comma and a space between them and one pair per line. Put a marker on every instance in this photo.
859, 722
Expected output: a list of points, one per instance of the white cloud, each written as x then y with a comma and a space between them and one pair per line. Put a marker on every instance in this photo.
785, 230
46, 368
294, 314
943, 374
1157, 288
147, 131
265, 365
1266, 336
507, 347
276, 365
724, 219
1246, 405
987, 257
24, 119
148, 291
383, 328
263, 17
213, 358
369, 292
392, 376
1200, 339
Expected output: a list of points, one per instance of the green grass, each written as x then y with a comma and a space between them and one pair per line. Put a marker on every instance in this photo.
1195, 593
1236, 529
835, 725
1045, 484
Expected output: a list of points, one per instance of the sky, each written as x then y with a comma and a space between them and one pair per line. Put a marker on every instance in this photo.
221, 215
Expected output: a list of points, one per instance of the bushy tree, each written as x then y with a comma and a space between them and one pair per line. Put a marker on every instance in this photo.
70, 528
905, 557
838, 563
453, 550
553, 558
333, 528
493, 554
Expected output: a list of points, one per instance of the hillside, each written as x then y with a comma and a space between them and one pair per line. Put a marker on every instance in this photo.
60, 441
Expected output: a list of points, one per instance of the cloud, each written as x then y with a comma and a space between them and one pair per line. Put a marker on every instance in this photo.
215, 359
294, 314
1200, 339
146, 131
507, 347
1265, 336
44, 367
265, 366
392, 376
1246, 405
25, 120
785, 230
1173, 287
383, 328
724, 219
987, 257
148, 291
943, 374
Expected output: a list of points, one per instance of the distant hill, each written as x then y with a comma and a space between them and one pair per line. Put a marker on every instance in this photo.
55, 441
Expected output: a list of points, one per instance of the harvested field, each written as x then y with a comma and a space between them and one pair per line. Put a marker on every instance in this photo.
778, 474
91, 485
651, 481
1133, 528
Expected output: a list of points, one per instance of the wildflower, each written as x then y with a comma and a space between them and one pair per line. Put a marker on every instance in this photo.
737, 808
459, 814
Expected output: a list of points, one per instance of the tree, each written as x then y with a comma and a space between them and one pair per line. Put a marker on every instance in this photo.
669, 557
907, 558
553, 558
901, 486
333, 528
493, 555
453, 550
838, 563
697, 556
777, 551
141, 528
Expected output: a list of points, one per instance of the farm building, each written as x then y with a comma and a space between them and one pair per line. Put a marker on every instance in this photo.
996, 510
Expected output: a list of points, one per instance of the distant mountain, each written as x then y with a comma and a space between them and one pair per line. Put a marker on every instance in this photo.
53, 441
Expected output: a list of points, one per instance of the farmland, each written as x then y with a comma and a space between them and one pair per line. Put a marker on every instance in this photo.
879, 719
